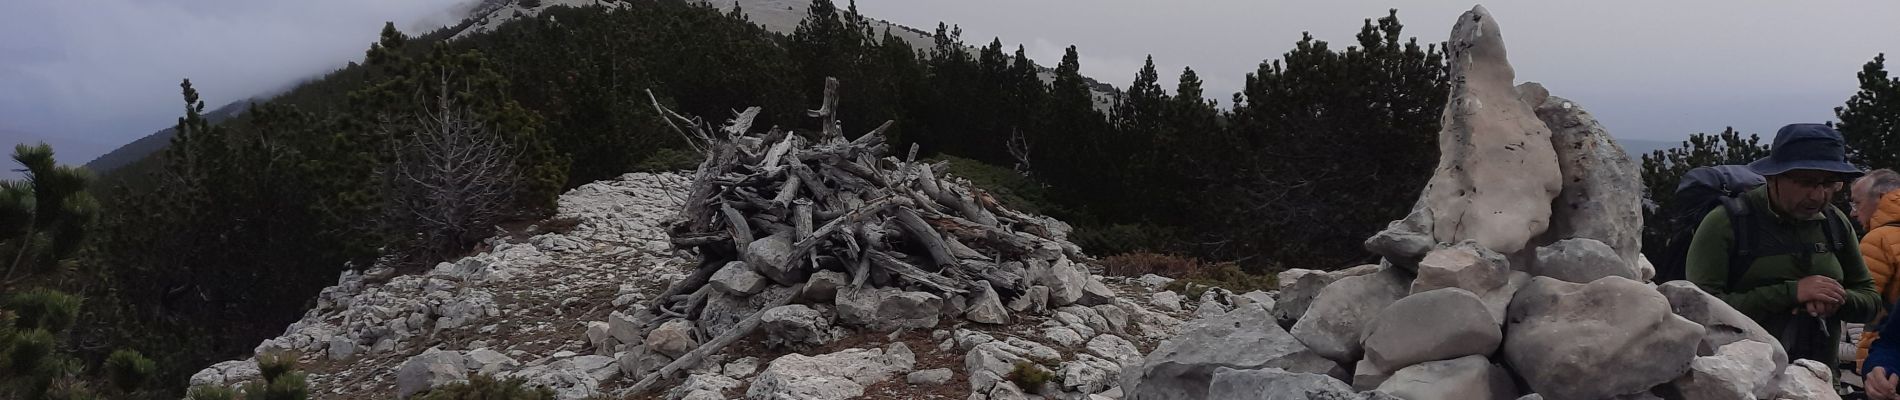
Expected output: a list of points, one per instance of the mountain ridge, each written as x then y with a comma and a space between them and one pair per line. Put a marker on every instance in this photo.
774, 15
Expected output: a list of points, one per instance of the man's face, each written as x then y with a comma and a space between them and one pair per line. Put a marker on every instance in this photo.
1864, 203
1803, 193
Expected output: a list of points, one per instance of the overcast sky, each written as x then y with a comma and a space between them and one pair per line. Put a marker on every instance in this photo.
95, 74
1646, 69
105, 72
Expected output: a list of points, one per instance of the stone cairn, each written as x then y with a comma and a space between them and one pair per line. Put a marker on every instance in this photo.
791, 229
1517, 273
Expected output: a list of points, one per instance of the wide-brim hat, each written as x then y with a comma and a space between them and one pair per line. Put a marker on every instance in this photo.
1806, 146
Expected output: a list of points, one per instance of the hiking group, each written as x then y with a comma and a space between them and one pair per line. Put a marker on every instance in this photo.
1767, 239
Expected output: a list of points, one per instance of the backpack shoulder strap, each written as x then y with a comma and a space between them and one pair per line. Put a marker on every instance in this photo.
1836, 231
1741, 253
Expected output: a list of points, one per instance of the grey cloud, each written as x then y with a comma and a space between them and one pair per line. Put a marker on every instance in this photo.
1655, 70
108, 70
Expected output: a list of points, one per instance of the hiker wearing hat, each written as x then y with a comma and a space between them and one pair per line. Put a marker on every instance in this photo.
1787, 258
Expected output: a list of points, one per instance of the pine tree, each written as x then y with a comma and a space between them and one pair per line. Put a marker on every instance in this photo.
1072, 138
463, 84
953, 79
44, 216
1302, 119
1870, 121
1144, 136
1024, 97
1197, 143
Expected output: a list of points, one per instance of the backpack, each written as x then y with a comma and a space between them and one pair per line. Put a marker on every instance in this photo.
1705, 188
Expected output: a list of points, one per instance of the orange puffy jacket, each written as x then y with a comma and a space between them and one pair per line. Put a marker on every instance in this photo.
1881, 249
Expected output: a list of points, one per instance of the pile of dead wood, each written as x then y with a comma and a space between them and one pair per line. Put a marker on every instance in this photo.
790, 204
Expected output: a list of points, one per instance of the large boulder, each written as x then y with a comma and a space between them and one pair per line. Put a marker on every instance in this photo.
724, 311
1471, 377
1497, 173
1498, 300
839, 375
1466, 266
638, 361
1722, 324
794, 325
771, 256
1115, 349
987, 307
1245, 384
708, 386
1607, 338
1333, 323
1246, 338
988, 362
737, 279
823, 286
603, 342
673, 338
1298, 287
489, 362
573, 378
1441, 324
1088, 374
1580, 261
887, 308
1602, 196
431, 369
1095, 293
1036, 300
1738, 370
1066, 281
624, 329
1804, 380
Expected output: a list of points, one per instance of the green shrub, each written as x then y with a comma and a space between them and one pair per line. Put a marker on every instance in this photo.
211, 393
1014, 190
55, 376
1225, 276
669, 160
128, 370
1143, 263
69, 387
1029, 377
1124, 238
483, 387
29, 351
281, 379
7, 329
286, 386
44, 309
274, 365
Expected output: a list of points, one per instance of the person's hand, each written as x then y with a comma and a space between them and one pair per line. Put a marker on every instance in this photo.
1880, 384
1819, 288
1821, 309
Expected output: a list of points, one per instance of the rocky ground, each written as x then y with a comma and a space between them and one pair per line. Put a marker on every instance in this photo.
524, 307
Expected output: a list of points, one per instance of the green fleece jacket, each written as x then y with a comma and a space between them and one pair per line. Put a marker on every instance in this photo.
1766, 292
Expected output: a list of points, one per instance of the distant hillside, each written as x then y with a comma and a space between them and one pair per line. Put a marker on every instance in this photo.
778, 16
68, 150
145, 146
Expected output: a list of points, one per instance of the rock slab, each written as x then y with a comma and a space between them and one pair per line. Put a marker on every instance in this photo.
1610, 337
